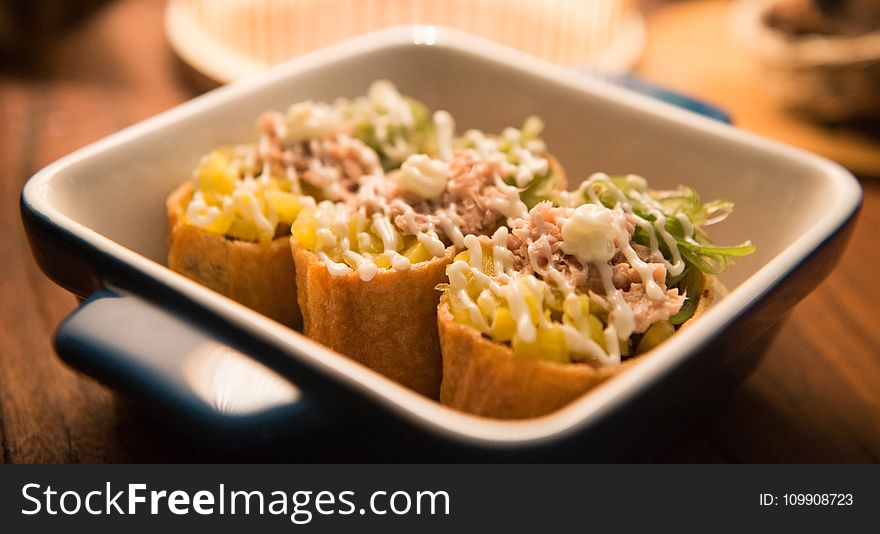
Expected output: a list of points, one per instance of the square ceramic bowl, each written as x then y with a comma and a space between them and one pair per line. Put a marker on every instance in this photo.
97, 226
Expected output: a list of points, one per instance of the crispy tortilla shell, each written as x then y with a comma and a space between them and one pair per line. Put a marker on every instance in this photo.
388, 324
259, 276
485, 378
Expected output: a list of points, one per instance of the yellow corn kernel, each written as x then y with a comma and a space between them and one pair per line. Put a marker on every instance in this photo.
352, 234
488, 260
286, 205
218, 225
624, 346
488, 266
304, 229
243, 230
459, 313
472, 288
344, 259
576, 311
356, 225
405, 242
656, 334
596, 308
212, 198
214, 174
534, 305
549, 345
597, 331
487, 304
554, 340
382, 261
417, 253
375, 246
584, 301
503, 327
279, 185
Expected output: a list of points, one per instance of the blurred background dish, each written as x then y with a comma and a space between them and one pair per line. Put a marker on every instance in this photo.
820, 58
227, 39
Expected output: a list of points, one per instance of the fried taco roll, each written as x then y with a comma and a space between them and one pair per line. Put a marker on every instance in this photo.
367, 267
252, 273
380, 323
229, 228
536, 316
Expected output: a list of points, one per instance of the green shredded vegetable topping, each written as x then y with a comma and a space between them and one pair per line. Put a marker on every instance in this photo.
698, 250
699, 253
416, 138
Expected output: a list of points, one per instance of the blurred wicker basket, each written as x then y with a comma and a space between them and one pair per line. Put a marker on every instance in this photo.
828, 77
226, 39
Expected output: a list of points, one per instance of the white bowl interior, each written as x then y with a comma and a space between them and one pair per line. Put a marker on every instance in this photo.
117, 187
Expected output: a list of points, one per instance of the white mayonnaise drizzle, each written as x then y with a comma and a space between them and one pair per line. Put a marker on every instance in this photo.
515, 295
458, 281
589, 234
444, 125
475, 250
199, 213
423, 176
686, 225
365, 268
451, 229
333, 267
399, 262
530, 164
432, 243
392, 112
386, 232
246, 203
334, 223
501, 255
594, 235
676, 266
427, 177
309, 120
509, 204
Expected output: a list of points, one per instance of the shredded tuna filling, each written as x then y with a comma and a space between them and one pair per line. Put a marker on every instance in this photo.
335, 166
470, 200
536, 245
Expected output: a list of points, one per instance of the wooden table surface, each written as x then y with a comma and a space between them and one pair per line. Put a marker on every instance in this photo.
814, 398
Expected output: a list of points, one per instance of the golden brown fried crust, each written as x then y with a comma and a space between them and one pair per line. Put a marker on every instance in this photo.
388, 324
259, 276
485, 378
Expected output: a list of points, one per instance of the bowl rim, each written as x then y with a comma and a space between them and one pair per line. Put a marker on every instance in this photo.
431, 415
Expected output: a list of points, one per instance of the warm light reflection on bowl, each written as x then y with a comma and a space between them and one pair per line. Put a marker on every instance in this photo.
424, 34
233, 383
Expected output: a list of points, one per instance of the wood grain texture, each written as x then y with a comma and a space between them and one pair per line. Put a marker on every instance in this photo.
93, 80
813, 399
